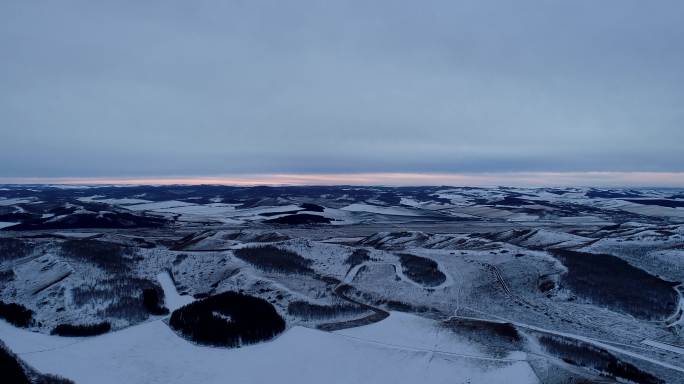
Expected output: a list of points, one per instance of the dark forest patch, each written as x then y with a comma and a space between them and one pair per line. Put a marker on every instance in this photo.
108, 256
505, 331
80, 330
11, 249
126, 297
614, 283
585, 355
298, 219
497, 338
11, 369
421, 270
310, 311
15, 371
274, 259
228, 319
153, 301
16, 314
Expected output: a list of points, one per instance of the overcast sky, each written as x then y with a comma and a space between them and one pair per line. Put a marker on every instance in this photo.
141, 88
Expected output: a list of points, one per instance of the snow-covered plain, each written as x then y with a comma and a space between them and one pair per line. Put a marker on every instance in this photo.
5, 224
172, 299
667, 347
495, 246
401, 349
8, 202
394, 211
152, 353
125, 201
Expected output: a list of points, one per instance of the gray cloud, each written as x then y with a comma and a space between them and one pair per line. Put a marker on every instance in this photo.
152, 88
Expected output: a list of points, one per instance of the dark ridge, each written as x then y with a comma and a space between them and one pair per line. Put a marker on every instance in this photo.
302, 218
658, 202
18, 216
91, 220
421, 270
269, 214
556, 191
274, 259
614, 283
597, 193
614, 227
71, 330
16, 314
312, 207
228, 319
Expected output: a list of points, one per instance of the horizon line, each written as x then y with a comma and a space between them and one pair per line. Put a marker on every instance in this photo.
482, 179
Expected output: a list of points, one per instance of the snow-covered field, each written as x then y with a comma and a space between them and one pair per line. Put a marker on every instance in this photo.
172, 299
5, 224
8, 202
667, 347
125, 201
90, 256
381, 353
395, 211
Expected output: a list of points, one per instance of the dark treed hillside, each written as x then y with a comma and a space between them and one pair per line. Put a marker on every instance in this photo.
228, 319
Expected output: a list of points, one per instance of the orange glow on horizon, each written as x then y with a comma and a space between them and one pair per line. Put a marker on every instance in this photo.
542, 179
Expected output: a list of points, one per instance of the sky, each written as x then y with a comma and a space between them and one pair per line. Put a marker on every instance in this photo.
179, 89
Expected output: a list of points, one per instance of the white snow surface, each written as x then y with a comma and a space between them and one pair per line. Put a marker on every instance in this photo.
152, 353
77, 235
7, 202
396, 211
665, 346
123, 201
159, 205
172, 299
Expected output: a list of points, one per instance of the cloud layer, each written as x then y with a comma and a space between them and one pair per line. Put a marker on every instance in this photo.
129, 88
